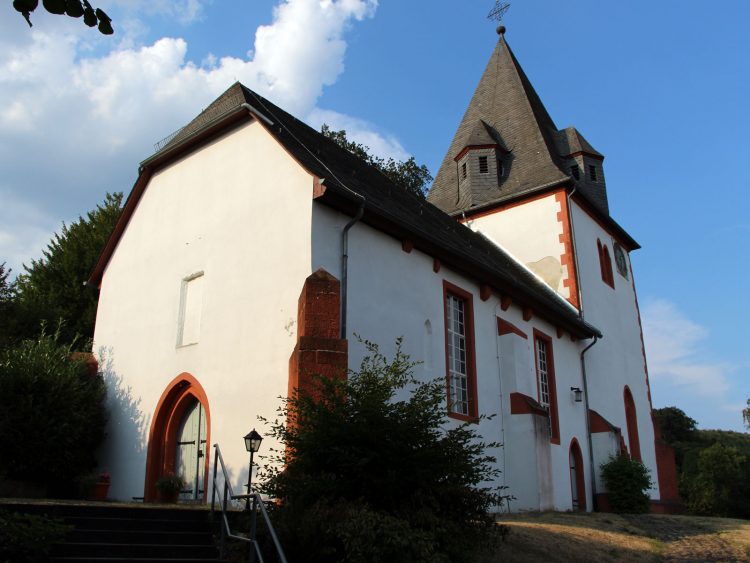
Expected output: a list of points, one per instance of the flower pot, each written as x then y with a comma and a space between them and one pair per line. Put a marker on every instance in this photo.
99, 491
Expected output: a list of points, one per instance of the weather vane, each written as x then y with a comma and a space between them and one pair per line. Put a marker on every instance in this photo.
498, 11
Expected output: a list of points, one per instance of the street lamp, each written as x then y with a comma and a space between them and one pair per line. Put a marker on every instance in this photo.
252, 444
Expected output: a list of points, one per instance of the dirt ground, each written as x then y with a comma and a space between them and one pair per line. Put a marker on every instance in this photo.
598, 537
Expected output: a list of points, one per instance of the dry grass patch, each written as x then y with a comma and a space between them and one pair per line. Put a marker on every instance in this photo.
598, 537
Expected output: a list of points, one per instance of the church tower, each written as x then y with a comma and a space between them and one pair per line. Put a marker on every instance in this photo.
539, 192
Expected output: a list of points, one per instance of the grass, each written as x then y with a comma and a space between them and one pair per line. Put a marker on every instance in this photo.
600, 537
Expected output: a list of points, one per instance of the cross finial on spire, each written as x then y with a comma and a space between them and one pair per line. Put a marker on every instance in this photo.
498, 12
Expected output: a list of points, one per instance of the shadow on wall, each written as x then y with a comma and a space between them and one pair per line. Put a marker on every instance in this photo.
123, 452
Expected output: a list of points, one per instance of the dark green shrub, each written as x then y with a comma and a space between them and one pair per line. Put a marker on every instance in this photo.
28, 538
376, 474
52, 415
627, 481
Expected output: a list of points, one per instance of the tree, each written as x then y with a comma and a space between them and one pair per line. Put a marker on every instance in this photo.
73, 8
371, 473
7, 304
52, 288
675, 425
714, 489
746, 415
408, 174
52, 413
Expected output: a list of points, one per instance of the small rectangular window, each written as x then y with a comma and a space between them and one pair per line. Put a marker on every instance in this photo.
592, 172
463, 171
484, 167
575, 172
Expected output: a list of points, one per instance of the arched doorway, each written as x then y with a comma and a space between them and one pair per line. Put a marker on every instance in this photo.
181, 416
632, 423
577, 483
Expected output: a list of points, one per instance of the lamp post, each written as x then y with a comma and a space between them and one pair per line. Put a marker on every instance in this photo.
252, 444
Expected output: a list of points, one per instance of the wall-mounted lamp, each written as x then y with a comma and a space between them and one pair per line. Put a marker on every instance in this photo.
577, 394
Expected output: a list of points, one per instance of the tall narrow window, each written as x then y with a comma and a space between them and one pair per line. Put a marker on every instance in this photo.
632, 423
484, 166
575, 171
463, 171
605, 264
191, 304
545, 371
459, 353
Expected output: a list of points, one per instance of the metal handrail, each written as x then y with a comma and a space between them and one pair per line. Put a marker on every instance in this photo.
226, 531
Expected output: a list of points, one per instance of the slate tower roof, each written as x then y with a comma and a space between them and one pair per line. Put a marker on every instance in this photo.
535, 155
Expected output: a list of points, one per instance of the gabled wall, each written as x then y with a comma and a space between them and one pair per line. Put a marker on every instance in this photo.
535, 231
619, 358
238, 210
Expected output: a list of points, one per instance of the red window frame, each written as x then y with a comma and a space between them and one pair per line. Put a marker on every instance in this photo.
551, 383
450, 289
605, 264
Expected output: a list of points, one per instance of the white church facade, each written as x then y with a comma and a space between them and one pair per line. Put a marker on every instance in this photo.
252, 250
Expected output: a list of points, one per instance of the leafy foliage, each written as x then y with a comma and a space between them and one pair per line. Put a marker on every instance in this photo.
675, 425
7, 305
371, 474
746, 415
52, 288
710, 490
411, 176
29, 538
705, 459
73, 8
52, 415
627, 481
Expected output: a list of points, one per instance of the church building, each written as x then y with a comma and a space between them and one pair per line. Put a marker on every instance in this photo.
253, 252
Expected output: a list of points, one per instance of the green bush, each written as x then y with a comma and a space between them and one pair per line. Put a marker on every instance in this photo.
376, 474
28, 538
52, 415
627, 481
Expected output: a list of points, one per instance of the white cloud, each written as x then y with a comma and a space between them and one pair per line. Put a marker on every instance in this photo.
74, 122
673, 347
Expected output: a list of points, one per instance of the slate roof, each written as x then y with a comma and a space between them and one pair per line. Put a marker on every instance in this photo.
507, 103
347, 181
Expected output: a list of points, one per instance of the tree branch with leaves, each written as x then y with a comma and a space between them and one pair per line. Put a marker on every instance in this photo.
73, 8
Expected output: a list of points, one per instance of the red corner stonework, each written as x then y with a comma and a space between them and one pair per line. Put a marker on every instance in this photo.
319, 349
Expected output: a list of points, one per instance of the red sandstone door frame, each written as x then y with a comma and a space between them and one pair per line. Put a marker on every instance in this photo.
178, 396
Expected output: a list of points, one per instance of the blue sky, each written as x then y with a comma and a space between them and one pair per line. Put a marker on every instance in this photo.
660, 88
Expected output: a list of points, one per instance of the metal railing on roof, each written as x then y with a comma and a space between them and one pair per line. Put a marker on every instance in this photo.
166, 140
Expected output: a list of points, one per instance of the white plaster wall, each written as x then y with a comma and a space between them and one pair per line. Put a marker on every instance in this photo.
238, 209
393, 293
529, 231
616, 360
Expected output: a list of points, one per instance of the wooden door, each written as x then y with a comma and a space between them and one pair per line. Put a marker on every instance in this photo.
191, 449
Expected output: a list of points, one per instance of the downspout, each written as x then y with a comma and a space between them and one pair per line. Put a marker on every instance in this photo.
345, 261
592, 472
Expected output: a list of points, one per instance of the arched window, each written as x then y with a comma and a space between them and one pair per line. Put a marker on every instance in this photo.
605, 264
632, 423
